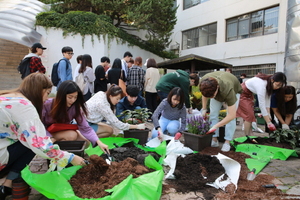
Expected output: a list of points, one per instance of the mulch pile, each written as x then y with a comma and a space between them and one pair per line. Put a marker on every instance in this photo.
267, 141
91, 180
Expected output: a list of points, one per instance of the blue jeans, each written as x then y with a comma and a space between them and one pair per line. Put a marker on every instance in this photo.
162, 95
167, 126
215, 107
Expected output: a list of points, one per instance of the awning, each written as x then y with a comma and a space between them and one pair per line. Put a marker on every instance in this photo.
193, 63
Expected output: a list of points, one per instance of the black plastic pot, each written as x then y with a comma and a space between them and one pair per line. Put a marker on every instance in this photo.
197, 142
142, 135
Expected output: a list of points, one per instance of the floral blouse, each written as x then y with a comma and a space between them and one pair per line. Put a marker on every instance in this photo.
19, 121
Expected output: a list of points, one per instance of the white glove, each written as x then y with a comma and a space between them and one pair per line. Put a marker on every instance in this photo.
140, 126
285, 126
160, 135
203, 112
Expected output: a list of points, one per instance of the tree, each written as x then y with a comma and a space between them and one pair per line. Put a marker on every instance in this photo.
157, 17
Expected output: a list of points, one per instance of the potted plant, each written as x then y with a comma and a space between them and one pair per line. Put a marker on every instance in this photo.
195, 137
136, 116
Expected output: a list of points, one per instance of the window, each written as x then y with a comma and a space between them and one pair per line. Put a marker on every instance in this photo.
200, 36
254, 24
191, 3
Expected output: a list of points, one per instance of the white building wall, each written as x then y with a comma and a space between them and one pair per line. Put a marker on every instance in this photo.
54, 40
251, 51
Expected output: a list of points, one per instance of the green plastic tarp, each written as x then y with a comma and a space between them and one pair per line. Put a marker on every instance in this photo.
261, 154
55, 185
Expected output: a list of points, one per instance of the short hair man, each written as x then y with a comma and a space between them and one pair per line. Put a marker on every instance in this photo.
126, 58
64, 69
132, 101
100, 83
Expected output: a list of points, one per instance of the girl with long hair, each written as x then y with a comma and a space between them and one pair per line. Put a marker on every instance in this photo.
89, 77
22, 134
170, 110
284, 105
67, 106
263, 85
101, 107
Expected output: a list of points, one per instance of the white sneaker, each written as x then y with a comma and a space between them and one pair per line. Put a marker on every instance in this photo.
226, 147
214, 144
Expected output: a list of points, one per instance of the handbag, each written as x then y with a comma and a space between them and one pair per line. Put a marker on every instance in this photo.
122, 84
53, 128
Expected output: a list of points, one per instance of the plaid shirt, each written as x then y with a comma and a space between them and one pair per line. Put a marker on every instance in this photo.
36, 65
136, 76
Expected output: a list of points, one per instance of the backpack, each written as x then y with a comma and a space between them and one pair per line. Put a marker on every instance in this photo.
54, 74
24, 67
80, 81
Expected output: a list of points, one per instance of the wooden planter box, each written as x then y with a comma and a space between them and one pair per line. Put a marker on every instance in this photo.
142, 135
197, 142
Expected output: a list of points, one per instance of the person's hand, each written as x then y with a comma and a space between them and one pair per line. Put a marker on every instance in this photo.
140, 126
190, 110
212, 130
160, 135
77, 160
271, 126
203, 112
103, 146
285, 126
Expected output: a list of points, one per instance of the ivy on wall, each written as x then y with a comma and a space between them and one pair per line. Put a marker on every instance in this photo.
88, 23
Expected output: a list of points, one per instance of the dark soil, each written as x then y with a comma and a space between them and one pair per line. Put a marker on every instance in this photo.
266, 141
194, 171
121, 153
246, 189
91, 180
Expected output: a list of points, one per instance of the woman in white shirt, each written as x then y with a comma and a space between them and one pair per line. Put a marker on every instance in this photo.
263, 85
101, 107
89, 77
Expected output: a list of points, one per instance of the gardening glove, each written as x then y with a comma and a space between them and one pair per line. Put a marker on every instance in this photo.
140, 126
203, 112
271, 126
285, 126
190, 110
212, 129
160, 135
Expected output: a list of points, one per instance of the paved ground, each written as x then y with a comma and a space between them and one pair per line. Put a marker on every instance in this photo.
287, 172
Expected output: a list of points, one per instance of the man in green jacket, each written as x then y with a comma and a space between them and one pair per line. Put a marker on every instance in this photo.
181, 79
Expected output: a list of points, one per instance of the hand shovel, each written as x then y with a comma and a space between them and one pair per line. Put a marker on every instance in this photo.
108, 158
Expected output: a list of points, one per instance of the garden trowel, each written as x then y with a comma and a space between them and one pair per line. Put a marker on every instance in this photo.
109, 158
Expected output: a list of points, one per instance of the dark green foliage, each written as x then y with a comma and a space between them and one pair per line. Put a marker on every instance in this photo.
114, 19
136, 116
289, 136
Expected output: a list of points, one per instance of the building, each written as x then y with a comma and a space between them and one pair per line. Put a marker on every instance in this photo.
248, 34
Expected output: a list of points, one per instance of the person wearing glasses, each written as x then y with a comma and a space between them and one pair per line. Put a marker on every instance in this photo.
64, 69
101, 107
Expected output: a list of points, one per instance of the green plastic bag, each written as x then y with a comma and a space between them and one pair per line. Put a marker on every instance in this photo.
261, 154
55, 185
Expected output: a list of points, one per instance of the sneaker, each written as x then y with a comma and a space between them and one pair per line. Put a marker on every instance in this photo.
214, 144
177, 136
226, 147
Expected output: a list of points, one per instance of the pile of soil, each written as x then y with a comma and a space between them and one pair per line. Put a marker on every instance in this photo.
246, 189
266, 141
91, 180
194, 171
121, 153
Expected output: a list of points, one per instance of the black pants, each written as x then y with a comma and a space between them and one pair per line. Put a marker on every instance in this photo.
87, 96
151, 101
19, 157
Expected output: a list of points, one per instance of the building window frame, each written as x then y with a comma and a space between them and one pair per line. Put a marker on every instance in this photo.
199, 36
253, 24
191, 3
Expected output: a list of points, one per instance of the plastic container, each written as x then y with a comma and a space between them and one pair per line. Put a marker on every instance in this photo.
76, 147
251, 175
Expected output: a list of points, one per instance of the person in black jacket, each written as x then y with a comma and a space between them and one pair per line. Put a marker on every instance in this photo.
100, 83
